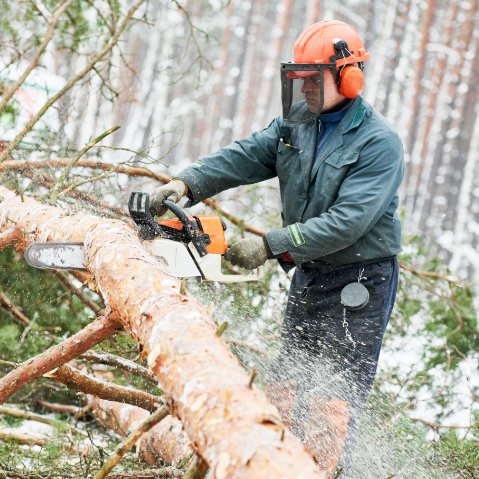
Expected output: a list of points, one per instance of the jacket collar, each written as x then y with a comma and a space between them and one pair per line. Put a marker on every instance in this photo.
308, 132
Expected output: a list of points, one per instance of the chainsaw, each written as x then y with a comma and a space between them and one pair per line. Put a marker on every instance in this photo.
185, 246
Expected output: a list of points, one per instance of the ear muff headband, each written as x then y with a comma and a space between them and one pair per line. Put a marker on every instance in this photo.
351, 81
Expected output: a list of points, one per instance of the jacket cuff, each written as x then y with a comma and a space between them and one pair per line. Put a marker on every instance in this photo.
269, 253
278, 241
194, 189
188, 191
285, 240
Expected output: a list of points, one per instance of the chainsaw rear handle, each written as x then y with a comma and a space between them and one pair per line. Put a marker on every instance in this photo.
139, 208
200, 240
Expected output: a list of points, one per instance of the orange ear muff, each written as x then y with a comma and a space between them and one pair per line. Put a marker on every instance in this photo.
351, 81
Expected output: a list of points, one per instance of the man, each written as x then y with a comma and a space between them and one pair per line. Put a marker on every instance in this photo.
339, 165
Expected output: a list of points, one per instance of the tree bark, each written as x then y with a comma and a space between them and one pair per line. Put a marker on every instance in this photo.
79, 381
166, 442
21, 438
232, 426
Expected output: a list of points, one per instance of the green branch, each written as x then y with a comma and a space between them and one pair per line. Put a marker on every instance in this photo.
56, 189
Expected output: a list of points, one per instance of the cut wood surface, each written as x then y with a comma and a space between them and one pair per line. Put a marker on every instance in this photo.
232, 426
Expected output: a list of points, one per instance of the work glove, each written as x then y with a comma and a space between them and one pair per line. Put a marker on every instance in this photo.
173, 191
248, 253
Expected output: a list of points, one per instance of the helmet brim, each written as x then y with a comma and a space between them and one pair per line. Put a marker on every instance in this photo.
298, 74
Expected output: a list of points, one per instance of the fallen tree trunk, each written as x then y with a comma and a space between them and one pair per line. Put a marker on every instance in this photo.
21, 438
165, 442
231, 425
125, 446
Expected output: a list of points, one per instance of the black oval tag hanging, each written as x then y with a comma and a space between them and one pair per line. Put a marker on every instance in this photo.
354, 296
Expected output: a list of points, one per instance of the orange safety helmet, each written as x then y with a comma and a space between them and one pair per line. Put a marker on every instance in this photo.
332, 44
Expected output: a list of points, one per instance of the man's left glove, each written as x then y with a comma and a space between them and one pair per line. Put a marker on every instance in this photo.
248, 253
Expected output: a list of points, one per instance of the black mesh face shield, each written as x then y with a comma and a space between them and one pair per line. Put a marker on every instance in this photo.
302, 91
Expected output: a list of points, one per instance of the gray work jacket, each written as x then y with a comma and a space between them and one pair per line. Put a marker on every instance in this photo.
340, 206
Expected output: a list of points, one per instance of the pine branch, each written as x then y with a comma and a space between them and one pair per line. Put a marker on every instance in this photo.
65, 281
55, 191
437, 426
26, 439
92, 334
197, 470
46, 181
6, 304
122, 363
76, 184
30, 416
79, 381
430, 274
61, 408
52, 23
79, 76
23, 166
149, 474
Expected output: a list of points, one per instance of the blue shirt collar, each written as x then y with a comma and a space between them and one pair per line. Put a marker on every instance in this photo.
335, 116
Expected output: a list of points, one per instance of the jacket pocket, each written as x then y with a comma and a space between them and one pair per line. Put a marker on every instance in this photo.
284, 148
345, 159
332, 173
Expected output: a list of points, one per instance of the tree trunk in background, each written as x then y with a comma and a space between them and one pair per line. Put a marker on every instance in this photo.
269, 80
208, 127
417, 92
376, 73
232, 425
233, 82
252, 70
443, 154
312, 12
399, 65
464, 121
419, 159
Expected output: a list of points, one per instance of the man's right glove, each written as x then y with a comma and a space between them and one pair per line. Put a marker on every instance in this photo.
173, 191
248, 253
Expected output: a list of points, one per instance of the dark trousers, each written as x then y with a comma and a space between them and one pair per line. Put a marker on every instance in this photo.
328, 351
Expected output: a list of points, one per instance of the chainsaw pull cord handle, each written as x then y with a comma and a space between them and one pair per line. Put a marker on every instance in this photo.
199, 240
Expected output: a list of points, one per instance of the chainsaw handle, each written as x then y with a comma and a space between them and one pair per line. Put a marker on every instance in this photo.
139, 208
200, 241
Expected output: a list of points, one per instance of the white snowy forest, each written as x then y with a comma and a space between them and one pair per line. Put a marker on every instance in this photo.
182, 86
157, 84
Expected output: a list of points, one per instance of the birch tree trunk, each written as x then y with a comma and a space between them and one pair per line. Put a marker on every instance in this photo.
230, 424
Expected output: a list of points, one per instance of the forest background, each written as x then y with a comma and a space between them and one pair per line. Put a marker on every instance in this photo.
183, 79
